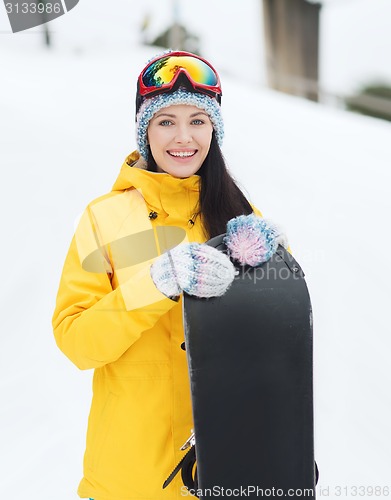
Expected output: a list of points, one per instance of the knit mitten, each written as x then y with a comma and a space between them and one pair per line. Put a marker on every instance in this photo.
251, 240
194, 268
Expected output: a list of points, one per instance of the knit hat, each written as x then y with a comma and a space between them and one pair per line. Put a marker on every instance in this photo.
152, 105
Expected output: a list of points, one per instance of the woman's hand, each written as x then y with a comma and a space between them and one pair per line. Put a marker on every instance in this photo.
194, 268
251, 240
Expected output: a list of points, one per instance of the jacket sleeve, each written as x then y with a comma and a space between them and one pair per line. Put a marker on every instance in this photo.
256, 211
93, 323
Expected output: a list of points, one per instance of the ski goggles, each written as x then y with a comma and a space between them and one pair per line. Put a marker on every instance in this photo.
165, 72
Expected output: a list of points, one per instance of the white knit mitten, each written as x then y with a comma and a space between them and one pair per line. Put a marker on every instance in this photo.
194, 268
251, 240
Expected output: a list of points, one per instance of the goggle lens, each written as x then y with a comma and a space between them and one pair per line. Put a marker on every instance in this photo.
163, 71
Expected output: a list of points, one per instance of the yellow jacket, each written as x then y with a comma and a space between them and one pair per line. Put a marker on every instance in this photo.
110, 316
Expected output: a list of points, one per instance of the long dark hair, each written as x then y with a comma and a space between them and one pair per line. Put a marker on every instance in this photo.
220, 197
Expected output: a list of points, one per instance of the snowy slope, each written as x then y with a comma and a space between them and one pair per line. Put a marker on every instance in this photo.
66, 123
355, 38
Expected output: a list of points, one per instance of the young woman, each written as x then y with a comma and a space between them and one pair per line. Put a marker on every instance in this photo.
119, 306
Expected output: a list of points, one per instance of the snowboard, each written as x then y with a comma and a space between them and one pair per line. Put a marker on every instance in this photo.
250, 364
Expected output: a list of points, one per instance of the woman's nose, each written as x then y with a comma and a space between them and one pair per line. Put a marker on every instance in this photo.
183, 135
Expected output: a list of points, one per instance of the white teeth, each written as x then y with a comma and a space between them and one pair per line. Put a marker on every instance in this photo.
182, 154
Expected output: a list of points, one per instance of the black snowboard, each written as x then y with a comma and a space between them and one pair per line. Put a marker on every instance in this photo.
250, 363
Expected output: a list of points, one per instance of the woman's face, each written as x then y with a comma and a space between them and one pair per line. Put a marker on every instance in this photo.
179, 137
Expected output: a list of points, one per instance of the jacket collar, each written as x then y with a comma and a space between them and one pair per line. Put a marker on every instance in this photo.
163, 193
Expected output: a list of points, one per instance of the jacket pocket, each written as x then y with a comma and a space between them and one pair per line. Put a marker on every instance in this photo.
101, 430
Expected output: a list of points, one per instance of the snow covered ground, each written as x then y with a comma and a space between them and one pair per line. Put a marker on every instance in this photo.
355, 38
66, 123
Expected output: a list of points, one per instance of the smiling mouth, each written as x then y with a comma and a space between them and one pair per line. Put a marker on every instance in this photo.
182, 154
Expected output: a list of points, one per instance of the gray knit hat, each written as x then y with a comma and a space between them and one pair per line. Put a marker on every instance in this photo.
181, 96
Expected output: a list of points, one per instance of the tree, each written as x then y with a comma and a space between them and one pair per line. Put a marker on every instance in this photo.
291, 30
41, 4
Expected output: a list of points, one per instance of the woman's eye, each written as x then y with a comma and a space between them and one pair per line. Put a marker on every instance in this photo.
197, 121
164, 123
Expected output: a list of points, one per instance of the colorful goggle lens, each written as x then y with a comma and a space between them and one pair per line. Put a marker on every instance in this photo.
163, 71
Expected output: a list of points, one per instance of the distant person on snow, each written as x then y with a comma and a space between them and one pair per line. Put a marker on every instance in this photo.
136, 249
